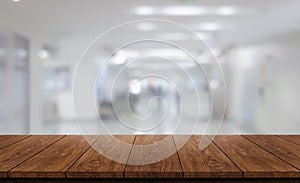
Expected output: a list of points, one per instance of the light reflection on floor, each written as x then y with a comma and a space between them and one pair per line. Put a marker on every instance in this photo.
93, 127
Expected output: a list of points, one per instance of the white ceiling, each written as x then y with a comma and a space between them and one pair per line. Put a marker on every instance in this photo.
77, 22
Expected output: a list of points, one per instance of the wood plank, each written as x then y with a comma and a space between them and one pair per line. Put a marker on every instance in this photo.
7, 140
94, 165
150, 180
281, 148
254, 161
293, 138
166, 168
22, 150
54, 161
208, 163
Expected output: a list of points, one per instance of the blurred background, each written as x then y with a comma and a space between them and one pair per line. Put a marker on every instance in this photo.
257, 43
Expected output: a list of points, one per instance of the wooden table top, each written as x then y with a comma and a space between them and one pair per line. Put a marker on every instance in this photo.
229, 156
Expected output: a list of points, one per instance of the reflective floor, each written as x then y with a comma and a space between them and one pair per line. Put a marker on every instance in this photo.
94, 127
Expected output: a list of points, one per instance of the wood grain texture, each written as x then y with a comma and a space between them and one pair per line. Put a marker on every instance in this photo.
208, 163
94, 165
254, 161
146, 148
293, 138
72, 157
281, 148
54, 161
20, 151
6, 140
149, 180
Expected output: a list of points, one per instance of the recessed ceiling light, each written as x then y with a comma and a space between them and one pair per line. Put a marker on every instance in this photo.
43, 54
144, 10
119, 58
227, 10
210, 26
215, 26
135, 87
190, 10
184, 10
16, 1
214, 84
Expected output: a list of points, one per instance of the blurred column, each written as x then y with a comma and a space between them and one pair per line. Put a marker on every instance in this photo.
14, 71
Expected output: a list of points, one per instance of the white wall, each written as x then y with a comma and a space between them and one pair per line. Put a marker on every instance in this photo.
274, 64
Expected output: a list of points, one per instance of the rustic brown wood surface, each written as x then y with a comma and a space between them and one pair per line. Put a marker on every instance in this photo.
18, 152
281, 148
166, 168
254, 161
54, 161
208, 163
94, 165
6, 140
231, 157
293, 138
